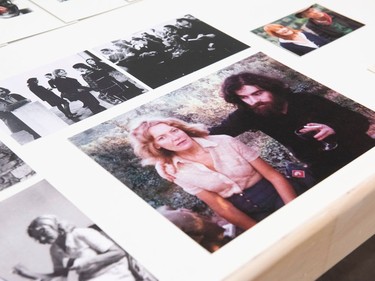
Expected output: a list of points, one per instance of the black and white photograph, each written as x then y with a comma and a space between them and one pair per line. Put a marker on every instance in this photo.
284, 132
59, 94
308, 29
12, 168
73, 10
20, 18
171, 50
54, 240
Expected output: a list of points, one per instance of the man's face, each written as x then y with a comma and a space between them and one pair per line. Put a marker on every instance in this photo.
3, 93
184, 24
261, 101
313, 14
82, 70
61, 73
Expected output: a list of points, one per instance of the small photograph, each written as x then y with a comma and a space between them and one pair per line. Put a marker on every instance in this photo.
169, 51
308, 29
221, 154
12, 168
73, 10
49, 98
53, 240
9, 9
20, 18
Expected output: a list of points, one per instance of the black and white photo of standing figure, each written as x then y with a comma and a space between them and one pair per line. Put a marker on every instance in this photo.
169, 51
53, 240
51, 97
12, 168
9, 9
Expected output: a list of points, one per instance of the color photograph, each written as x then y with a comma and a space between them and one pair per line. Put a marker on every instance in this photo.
171, 50
59, 94
308, 29
53, 240
223, 153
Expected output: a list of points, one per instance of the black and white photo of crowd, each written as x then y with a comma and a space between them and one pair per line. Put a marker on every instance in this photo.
12, 168
162, 54
62, 93
54, 240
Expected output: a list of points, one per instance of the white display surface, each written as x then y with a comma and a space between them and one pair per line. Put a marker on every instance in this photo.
29, 21
317, 229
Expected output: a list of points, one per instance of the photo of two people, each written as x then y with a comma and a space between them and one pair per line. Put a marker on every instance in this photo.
223, 153
307, 29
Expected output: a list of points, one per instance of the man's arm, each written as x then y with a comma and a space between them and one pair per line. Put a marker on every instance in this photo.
27, 273
234, 124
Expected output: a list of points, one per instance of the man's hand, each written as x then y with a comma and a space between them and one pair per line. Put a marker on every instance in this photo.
322, 131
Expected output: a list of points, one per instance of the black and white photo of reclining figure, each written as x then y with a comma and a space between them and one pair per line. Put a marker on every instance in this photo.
54, 240
171, 50
51, 97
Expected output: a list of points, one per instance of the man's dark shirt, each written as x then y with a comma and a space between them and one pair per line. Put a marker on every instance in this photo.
340, 26
350, 128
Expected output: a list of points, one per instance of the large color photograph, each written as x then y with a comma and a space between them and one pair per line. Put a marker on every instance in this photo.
53, 240
223, 153
171, 50
308, 29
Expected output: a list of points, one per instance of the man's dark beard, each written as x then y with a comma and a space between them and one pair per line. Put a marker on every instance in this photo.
274, 107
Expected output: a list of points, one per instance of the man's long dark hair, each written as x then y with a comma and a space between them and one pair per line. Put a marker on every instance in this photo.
235, 82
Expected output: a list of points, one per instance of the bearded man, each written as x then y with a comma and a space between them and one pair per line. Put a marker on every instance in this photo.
319, 132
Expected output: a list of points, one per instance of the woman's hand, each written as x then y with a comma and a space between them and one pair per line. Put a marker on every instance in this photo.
226, 209
280, 183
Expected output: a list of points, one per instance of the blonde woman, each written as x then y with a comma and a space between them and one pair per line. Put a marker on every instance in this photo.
297, 41
226, 174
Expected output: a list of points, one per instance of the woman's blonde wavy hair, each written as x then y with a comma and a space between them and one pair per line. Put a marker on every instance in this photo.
143, 143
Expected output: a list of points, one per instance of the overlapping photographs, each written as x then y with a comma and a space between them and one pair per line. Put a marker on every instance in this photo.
171, 50
73, 10
215, 183
12, 168
55, 239
307, 29
49, 98
19, 19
